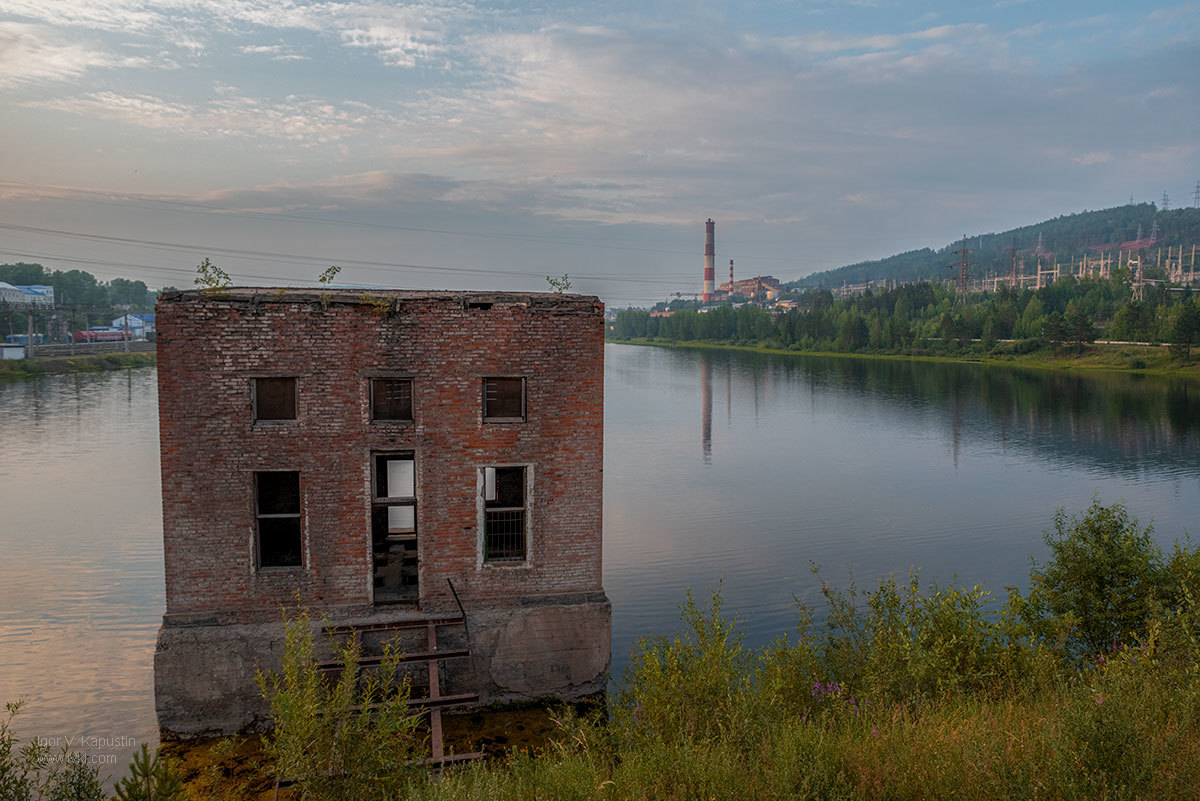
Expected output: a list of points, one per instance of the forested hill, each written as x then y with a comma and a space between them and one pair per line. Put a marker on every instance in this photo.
1063, 238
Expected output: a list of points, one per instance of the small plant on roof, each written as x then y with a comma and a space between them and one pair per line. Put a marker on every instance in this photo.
211, 278
378, 305
559, 285
325, 279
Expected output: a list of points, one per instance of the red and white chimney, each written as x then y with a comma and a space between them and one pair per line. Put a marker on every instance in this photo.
710, 267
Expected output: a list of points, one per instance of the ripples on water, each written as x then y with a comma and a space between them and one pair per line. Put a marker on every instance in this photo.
717, 464
81, 579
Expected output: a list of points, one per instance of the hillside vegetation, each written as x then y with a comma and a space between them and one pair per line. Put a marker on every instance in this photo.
1063, 238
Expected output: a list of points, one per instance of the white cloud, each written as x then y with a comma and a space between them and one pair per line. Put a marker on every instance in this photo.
1091, 159
401, 35
305, 121
826, 43
276, 52
30, 53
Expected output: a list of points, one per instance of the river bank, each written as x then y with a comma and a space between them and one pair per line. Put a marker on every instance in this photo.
1133, 359
24, 368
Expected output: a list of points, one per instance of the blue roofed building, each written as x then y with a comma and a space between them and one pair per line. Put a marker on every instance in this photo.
141, 326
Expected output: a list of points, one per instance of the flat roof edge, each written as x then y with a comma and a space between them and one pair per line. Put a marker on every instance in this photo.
363, 297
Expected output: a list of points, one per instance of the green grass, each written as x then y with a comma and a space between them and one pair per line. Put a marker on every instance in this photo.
23, 368
908, 691
1113, 358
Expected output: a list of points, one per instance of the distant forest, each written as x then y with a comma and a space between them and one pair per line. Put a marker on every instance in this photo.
1064, 238
924, 318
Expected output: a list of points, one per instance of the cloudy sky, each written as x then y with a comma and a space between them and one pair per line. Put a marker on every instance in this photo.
455, 144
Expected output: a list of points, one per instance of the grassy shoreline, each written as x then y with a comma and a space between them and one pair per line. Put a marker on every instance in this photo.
26, 368
1096, 358
907, 692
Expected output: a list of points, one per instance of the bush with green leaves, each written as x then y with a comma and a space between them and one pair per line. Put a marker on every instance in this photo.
151, 777
1105, 578
348, 736
32, 772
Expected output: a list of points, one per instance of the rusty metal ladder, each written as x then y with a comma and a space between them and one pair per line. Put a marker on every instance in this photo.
434, 702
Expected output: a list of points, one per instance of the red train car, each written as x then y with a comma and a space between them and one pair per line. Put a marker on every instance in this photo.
100, 335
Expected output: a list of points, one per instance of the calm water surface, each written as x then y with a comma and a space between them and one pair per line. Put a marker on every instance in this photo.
718, 466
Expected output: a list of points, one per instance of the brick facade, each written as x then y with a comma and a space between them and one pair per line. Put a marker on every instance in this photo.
210, 350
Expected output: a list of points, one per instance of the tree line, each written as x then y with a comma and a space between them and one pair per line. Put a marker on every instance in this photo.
925, 318
80, 299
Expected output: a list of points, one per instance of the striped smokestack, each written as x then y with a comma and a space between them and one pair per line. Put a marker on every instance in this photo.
710, 267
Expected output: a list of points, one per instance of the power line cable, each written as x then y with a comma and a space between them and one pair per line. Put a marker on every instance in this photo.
275, 256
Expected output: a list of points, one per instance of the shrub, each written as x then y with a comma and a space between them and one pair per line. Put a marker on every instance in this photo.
151, 778
1105, 577
691, 687
27, 772
349, 737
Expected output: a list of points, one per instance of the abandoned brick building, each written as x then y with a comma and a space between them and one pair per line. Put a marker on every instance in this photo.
387, 458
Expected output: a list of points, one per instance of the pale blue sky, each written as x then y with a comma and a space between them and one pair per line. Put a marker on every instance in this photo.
500, 142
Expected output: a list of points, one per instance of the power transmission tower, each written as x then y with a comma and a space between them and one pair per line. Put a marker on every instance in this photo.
1012, 252
1166, 202
1139, 282
1196, 196
962, 266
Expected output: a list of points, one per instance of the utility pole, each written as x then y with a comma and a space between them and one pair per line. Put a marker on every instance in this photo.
29, 332
962, 265
1012, 251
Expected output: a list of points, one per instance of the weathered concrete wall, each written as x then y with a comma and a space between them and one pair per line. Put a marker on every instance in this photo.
222, 615
559, 647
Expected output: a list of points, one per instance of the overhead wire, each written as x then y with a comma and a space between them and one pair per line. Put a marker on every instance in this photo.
291, 258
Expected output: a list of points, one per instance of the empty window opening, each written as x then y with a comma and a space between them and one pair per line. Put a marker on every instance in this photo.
504, 514
394, 528
274, 399
391, 399
503, 399
479, 304
277, 513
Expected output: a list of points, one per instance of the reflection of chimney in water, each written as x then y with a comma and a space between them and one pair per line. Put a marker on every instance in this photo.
728, 393
706, 409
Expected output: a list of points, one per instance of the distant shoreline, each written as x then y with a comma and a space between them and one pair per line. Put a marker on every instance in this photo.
1095, 358
28, 368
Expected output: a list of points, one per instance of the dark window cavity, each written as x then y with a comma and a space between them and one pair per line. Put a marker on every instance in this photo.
391, 399
504, 514
394, 527
274, 399
277, 510
503, 399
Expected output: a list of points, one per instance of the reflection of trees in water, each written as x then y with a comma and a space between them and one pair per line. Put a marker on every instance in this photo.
1119, 422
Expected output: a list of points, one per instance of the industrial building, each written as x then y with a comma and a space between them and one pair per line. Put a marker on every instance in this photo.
392, 460
760, 289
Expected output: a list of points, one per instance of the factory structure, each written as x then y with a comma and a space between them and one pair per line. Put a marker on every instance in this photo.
760, 288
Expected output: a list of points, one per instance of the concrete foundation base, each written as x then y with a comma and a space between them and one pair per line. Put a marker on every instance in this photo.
204, 673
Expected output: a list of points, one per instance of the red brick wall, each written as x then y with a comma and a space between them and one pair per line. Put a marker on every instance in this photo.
209, 349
